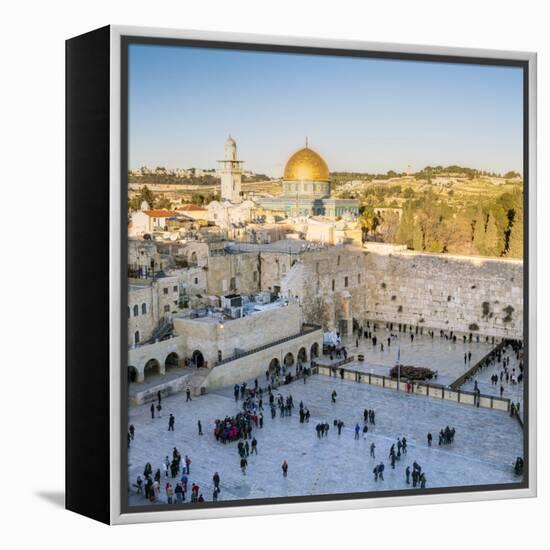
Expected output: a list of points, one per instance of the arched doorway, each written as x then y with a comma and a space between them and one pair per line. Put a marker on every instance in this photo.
152, 367
193, 258
172, 361
302, 355
314, 351
274, 366
132, 374
198, 359
288, 360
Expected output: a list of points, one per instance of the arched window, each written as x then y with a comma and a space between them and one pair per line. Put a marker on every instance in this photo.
136, 310
136, 337
143, 308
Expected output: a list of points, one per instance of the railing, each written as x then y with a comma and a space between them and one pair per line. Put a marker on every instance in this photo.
307, 329
470, 372
435, 391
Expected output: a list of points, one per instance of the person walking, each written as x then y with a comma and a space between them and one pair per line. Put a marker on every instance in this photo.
381, 471
171, 422
429, 439
357, 430
284, 467
244, 464
132, 431
199, 425
372, 447
152, 410
188, 395
187, 465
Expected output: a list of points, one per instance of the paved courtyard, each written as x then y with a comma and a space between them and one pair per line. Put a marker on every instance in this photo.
487, 443
437, 353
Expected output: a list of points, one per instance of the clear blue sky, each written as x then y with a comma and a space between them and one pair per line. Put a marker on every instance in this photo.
359, 114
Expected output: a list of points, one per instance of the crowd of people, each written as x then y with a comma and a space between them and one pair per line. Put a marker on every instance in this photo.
174, 477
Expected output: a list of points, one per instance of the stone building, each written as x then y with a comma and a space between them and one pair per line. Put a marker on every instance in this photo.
307, 189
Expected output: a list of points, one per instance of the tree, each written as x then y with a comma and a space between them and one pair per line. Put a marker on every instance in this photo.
515, 242
492, 244
480, 223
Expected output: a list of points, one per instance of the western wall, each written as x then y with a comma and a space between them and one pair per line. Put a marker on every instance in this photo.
343, 285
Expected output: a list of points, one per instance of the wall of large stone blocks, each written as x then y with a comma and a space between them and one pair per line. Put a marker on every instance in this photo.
447, 292
338, 285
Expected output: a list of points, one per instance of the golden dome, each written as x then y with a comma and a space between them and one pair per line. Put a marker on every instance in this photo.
306, 165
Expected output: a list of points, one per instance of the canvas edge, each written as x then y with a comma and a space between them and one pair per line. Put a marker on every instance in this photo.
116, 515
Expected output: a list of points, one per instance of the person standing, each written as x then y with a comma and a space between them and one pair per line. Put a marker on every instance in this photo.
408, 475
199, 425
284, 467
188, 395
152, 410
216, 480
244, 464
171, 422
132, 431
169, 493
372, 447
357, 430
187, 465
429, 439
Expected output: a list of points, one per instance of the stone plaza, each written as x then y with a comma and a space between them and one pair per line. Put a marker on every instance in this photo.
486, 445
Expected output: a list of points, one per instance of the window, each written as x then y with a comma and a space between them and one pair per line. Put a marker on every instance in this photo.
166, 309
165, 290
233, 283
196, 280
143, 308
338, 262
359, 279
255, 276
333, 284
136, 337
136, 310
345, 282
175, 302
175, 288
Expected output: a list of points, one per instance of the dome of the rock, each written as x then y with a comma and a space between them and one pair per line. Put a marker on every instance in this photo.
306, 165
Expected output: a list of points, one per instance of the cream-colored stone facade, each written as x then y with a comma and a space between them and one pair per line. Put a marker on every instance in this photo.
341, 284
219, 339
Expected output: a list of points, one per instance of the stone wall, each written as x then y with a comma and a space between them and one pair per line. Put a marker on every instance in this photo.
209, 336
342, 286
254, 365
447, 292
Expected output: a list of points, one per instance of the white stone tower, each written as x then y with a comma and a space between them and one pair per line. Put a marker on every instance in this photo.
231, 173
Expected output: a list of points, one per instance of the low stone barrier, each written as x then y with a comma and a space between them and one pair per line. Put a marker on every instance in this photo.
434, 391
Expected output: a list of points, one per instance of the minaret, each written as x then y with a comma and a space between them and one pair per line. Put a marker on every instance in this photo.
231, 173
